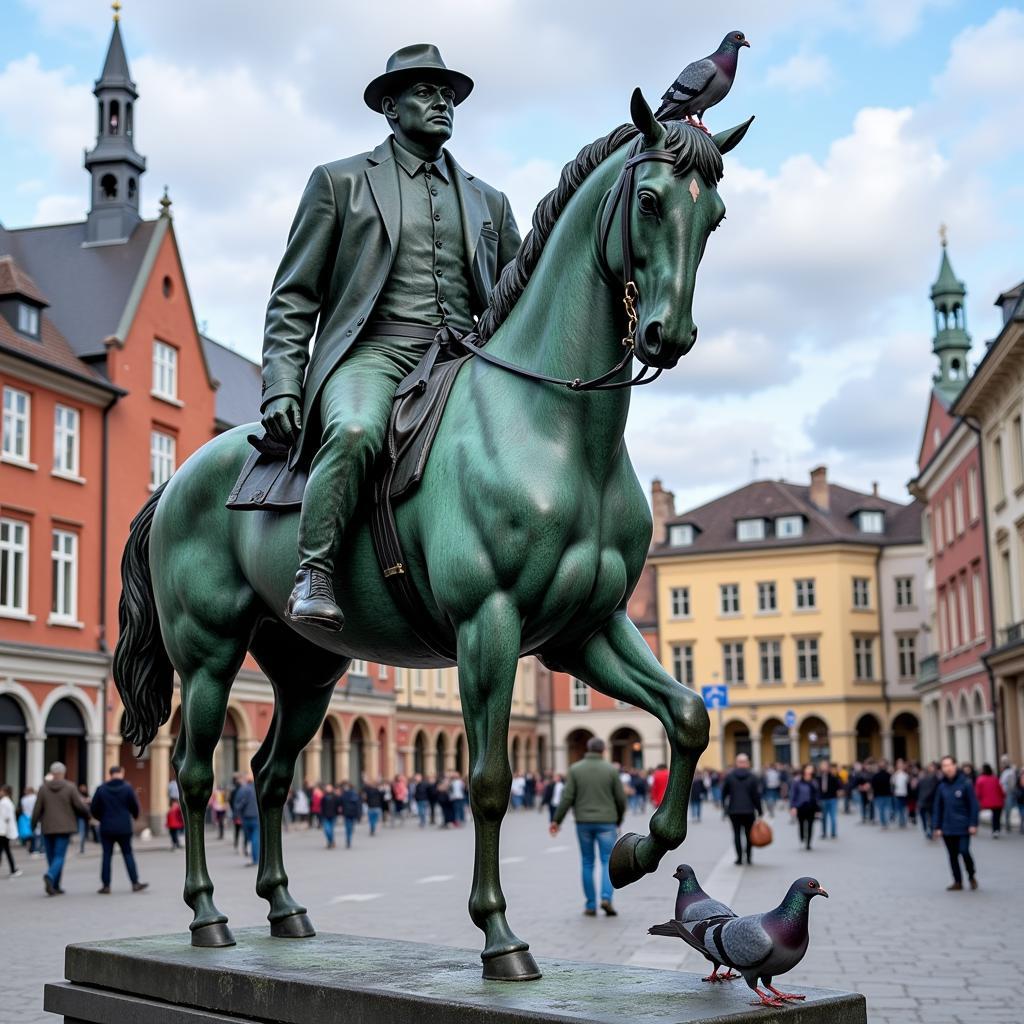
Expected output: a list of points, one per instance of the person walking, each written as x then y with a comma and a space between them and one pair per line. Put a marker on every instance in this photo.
955, 819
772, 788
8, 828
1008, 782
352, 811
175, 824
594, 792
373, 797
927, 784
330, 805
698, 791
116, 807
829, 785
741, 801
900, 781
804, 802
881, 793
457, 792
990, 796
219, 806
300, 806
57, 810
247, 809
659, 783
421, 790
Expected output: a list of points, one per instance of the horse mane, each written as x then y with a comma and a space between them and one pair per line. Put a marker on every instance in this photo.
693, 149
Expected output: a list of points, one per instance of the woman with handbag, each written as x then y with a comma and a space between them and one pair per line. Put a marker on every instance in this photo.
8, 827
804, 802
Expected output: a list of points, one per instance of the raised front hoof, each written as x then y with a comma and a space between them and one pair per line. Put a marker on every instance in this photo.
517, 966
212, 935
623, 867
295, 926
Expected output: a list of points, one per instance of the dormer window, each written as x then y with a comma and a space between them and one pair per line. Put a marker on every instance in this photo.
869, 521
750, 529
680, 535
789, 526
28, 319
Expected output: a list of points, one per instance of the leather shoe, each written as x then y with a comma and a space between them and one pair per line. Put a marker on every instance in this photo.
139, 886
104, 890
312, 600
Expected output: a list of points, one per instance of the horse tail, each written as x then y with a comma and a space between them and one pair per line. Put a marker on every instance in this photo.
142, 669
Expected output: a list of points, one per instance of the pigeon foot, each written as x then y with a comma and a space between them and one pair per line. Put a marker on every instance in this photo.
784, 995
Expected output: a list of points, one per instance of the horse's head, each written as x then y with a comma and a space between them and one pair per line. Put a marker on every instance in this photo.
668, 204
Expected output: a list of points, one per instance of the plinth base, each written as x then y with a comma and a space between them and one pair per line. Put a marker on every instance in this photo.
341, 979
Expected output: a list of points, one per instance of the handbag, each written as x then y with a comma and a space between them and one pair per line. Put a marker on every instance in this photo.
760, 833
24, 827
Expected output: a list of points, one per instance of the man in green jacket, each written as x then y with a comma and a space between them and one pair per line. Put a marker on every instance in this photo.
387, 249
594, 792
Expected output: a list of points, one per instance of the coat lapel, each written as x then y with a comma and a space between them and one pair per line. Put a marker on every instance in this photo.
474, 208
382, 177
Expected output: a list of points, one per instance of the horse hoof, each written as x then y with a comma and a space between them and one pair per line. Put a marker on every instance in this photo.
212, 935
517, 966
623, 867
294, 926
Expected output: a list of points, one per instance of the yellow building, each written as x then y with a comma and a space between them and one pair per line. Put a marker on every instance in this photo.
777, 591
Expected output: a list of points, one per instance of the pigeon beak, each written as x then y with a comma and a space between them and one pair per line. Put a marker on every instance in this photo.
822, 892
746, 42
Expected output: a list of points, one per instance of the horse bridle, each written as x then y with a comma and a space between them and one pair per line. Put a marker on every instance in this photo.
630, 296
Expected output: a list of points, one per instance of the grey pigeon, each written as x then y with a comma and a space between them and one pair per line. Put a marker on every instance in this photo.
759, 946
703, 83
694, 905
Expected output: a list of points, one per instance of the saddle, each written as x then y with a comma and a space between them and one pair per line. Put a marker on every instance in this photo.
265, 482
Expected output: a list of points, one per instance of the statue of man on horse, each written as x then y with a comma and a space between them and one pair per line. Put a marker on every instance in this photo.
386, 249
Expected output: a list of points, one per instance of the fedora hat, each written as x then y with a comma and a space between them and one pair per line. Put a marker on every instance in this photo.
405, 65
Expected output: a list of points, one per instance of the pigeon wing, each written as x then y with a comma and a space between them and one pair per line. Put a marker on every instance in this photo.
692, 80
677, 930
744, 942
704, 909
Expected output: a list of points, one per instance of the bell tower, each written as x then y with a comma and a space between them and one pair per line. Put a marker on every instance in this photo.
952, 342
113, 163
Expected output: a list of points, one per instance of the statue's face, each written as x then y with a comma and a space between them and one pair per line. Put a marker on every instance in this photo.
425, 112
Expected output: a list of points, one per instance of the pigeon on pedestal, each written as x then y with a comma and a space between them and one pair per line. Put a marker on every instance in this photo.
702, 84
759, 946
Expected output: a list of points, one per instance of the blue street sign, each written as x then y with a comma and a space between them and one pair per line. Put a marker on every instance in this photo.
715, 696
790, 719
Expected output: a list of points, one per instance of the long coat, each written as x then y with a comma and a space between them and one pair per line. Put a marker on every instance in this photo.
340, 250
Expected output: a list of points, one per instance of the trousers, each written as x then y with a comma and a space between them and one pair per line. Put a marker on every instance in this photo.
741, 826
355, 406
957, 847
601, 836
125, 843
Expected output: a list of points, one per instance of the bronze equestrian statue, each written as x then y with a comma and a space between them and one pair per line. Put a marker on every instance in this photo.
528, 530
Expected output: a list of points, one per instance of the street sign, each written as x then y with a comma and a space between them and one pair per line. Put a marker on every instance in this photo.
790, 719
715, 696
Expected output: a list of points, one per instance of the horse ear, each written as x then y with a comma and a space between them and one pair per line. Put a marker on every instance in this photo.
643, 117
732, 137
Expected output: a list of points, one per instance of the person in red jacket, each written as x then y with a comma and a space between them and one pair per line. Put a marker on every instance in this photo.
175, 824
990, 796
659, 782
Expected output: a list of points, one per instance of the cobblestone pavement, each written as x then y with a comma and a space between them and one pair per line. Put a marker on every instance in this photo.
889, 929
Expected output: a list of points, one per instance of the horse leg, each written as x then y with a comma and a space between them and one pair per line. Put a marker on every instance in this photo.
488, 653
618, 662
299, 711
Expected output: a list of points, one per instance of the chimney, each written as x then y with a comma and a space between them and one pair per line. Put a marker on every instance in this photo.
874, 488
819, 487
663, 506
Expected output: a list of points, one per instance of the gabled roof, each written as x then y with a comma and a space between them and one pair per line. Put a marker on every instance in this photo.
88, 285
14, 281
769, 499
239, 384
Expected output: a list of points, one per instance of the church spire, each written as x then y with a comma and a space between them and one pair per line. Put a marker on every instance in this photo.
113, 163
952, 342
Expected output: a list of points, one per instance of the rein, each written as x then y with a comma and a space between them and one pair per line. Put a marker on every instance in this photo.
630, 297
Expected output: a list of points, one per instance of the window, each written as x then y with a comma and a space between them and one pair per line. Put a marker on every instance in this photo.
580, 695
958, 507
766, 597
906, 648
750, 529
161, 458
938, 527
770, 657
944, 644
805, 597
439, 683
954, 635
17, 409
1018, 452
28, 319
13, 566
972, 494
729, 595
399, 679
965, 611
64, 555
417, 680
680, 535
382, 671
65, 440
999, 472
871, 521
863, 657
680, 597
682, 663
979, 620
732, 661
861, 592
358, 668
807, 659
904, 591
950, 535
165, 370
789, 526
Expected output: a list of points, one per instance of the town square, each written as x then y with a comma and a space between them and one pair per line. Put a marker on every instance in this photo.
500, 529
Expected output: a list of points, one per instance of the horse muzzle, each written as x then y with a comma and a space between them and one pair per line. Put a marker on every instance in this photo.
655, 348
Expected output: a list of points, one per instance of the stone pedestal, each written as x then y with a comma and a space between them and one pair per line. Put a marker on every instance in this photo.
341, 979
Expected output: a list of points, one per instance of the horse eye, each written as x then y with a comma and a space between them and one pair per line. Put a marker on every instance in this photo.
648, 203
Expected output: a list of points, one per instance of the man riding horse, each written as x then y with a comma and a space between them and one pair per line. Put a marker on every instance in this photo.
387, 248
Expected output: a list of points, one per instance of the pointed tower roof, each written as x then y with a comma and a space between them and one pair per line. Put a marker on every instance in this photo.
946, 284
115, 74
951, 342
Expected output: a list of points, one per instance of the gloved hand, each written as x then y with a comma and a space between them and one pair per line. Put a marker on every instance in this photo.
282, 420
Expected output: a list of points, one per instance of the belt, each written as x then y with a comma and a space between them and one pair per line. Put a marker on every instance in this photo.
398, 329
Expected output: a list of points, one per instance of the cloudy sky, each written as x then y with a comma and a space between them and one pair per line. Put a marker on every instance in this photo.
876, 121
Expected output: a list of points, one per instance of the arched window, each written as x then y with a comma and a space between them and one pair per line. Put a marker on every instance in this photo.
128, 120
99, 123
108, 186
132, 188
114, 118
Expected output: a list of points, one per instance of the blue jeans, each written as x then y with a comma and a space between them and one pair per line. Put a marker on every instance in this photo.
56, 848
828, 813
901, 810
422, 809
373, 818
603, 836
884, 805
329, 831
695, 803
459, 810
350, 827
251, 828
125, 842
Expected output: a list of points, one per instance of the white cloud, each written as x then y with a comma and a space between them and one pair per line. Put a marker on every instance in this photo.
802, 72
740, 362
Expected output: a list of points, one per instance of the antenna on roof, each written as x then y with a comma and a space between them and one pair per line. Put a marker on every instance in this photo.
755, 464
